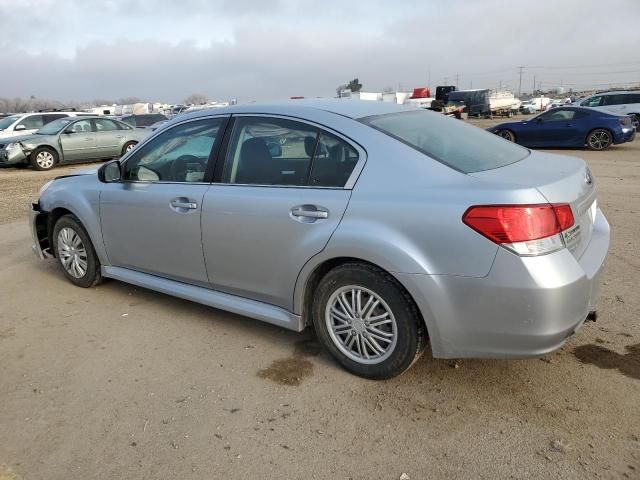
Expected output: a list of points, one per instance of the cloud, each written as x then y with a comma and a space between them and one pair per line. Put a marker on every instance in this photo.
260, 50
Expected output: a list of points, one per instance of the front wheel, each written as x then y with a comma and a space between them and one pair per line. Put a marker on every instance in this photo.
367, 321
507, 135
75, 252
44, 158
599, 139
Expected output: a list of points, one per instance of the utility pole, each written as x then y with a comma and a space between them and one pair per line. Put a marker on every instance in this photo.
521, 68
534, 84
429, 78
457, 80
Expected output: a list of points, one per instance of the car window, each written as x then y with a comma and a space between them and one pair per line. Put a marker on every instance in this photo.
131, 120
50, 117
81, 126
55, 126
270, 151
31, 122
180, 154
456, 144
593, 102
147, 120
7, 122
633, 98
105, 125
333, 162
557, 115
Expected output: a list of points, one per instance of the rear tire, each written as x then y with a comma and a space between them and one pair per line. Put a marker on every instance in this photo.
128, 147
44, 158
75, 252
599, 139
367, 321
507, 135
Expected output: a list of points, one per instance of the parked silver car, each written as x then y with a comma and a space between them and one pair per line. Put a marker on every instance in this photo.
71, 139
384, 227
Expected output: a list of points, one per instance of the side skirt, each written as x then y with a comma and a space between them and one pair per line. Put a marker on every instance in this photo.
224, 301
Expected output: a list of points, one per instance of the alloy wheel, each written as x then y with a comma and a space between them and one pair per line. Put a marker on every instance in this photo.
129, 147
72, 253
45, 160
361, 324
507, 135
599, 140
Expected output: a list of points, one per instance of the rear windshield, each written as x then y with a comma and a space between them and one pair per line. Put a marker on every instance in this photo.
459, 145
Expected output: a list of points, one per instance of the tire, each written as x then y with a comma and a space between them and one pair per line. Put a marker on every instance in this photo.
376, 349
44, 158
128, 147
507, 135
599, 139
75, 252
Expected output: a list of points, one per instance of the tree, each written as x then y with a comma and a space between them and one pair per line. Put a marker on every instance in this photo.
196, 99
128, 101
354, 85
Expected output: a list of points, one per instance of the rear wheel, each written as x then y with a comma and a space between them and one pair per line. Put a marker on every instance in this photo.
128, 147
507, 135
599, 139
44, 158
367, 321
75, 252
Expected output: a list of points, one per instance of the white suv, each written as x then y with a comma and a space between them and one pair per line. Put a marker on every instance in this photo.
27, 123
621, 103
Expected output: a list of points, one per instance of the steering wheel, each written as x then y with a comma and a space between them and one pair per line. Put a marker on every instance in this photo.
179, 167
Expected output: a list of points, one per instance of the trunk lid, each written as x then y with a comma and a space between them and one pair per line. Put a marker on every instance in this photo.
559, 179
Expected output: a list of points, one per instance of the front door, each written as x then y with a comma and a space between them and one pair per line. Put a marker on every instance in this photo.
151, 219
556, 128
277, 203
78, 141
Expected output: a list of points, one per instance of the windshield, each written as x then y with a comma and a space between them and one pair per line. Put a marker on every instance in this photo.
54, 127
6, 122
461, 146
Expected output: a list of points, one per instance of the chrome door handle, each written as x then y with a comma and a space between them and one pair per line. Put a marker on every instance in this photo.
119, 136
183, 204
300, 212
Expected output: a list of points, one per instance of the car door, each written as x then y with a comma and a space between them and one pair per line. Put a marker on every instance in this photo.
108, 138
274, 205
78, 141
555, 128
151, 218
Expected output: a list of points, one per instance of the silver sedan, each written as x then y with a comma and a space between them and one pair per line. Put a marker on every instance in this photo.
385, 228
71, 140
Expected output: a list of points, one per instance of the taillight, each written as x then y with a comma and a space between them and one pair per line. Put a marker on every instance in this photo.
625, 122
524, 229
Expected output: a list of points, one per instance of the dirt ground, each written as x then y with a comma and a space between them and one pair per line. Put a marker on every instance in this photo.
121, 382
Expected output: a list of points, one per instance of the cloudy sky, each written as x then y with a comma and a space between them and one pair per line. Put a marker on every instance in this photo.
164, 50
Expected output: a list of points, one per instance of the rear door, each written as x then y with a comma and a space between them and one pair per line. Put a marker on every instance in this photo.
78, 141
108, 137
280, 195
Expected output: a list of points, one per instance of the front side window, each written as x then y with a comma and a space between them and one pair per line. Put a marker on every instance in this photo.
593, 102
557, 115
55, 126
456, 144
32, 122
273, 151
180, 154
81, 126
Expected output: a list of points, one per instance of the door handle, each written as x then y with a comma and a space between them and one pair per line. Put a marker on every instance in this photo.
183, 203
303, 212
119, 136
90, 139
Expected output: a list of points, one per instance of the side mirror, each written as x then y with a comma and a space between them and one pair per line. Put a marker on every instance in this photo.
69, 131
110, 172
19, 127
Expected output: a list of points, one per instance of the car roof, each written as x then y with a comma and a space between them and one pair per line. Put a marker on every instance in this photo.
354, 109
615, 92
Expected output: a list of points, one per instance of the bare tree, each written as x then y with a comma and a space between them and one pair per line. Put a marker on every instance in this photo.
196, 99
128, 101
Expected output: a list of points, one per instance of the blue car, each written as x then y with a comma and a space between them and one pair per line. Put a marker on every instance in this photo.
569, 127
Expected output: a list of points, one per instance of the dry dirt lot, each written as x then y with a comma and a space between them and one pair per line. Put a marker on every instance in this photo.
121, 382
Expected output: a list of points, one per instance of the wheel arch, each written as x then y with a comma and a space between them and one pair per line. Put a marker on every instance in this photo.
310, 278
586, 137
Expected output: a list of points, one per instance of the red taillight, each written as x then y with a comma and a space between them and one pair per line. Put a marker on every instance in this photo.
518, 223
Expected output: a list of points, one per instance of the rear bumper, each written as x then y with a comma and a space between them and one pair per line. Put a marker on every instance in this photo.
625, 135
525, 306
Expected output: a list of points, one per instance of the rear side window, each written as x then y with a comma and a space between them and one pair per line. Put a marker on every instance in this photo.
275, 151
53, 116
458, 145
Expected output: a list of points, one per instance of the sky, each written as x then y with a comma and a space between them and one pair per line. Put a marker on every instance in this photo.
260, 50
